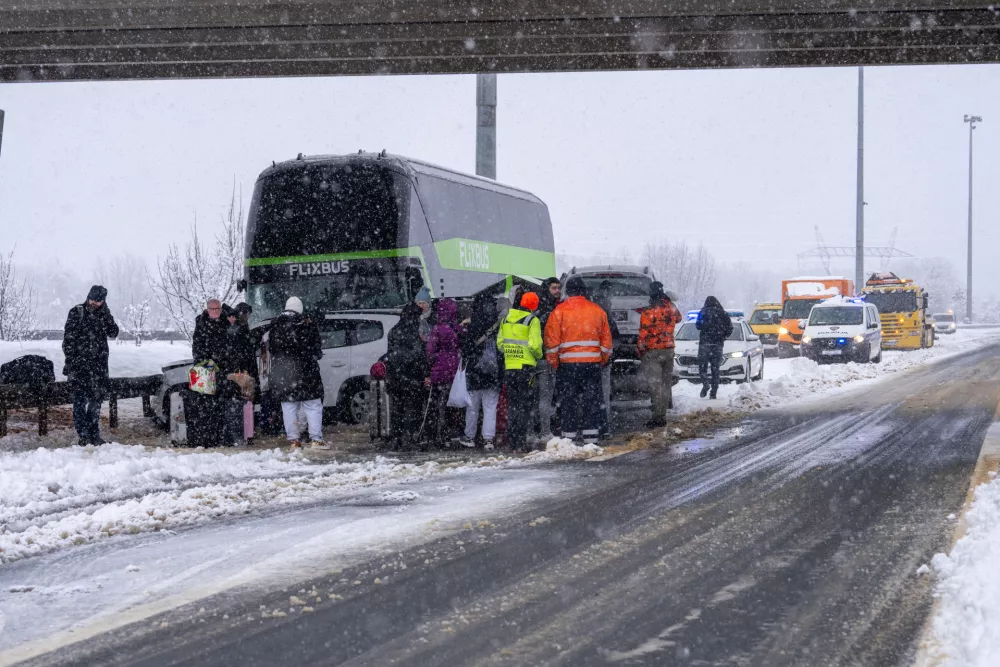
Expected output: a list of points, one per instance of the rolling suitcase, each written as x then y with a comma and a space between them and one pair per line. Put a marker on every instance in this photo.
204, 417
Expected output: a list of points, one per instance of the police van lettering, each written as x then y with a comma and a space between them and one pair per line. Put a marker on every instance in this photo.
473, 255
310, 269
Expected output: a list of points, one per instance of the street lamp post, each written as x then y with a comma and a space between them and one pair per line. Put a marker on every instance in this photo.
971, 120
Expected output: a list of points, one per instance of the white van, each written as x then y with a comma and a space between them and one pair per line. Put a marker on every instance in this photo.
843, 329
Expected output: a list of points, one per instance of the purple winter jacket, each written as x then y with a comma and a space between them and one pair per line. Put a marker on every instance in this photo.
442, 346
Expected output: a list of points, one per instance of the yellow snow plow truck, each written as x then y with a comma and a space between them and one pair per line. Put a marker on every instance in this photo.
902, 305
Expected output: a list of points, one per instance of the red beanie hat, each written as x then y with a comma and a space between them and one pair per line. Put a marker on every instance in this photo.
529, 301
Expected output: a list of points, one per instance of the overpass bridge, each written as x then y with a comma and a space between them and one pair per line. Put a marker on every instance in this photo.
68, 40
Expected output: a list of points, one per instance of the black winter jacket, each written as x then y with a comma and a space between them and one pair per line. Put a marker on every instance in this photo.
406, 362
85, 342
209, 340
472, 354
296, 348
714, 323
239, 351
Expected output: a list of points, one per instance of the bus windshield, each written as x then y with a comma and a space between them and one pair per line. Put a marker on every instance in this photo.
798, 309
328, 208
365, 285
893, 302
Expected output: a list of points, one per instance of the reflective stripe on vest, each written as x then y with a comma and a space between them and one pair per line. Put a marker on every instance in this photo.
514, 342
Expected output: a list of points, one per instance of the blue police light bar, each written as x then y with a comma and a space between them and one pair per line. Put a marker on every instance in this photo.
692, 315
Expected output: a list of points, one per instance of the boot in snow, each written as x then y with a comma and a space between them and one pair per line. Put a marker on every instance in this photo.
704, 391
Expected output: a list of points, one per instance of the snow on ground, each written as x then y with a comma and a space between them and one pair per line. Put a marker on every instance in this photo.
125, 360
56, 498
968, 613
786, 380
71, 594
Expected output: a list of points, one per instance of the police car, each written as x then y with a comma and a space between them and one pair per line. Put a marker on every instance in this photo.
843, 329
742, 353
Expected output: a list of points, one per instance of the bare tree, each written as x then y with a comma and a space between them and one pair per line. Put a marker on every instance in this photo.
17, 301
186, 278
688, 272
137, 320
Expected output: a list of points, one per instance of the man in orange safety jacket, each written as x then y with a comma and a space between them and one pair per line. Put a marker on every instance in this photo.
656, 349
577, 345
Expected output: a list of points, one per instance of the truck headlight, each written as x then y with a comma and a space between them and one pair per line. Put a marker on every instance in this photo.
782, 330
806, 340
859, 339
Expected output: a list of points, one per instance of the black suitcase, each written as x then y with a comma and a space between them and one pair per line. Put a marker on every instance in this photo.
205, 419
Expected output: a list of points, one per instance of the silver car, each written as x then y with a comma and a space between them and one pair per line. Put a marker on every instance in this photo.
627, 287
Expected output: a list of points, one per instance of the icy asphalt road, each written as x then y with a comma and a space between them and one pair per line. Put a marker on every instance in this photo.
793, 541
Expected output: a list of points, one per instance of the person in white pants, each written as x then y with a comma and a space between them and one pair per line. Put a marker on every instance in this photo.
296, 348
485, 400
313, 410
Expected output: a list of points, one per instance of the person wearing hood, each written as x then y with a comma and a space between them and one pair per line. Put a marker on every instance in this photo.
656, 351
88, 328
578, 344
483, 370
423, 301
444, 356
520, 338
545, 375
296, 348
406, 369
715, 326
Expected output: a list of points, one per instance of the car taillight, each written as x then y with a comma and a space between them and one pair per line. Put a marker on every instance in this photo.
378, 371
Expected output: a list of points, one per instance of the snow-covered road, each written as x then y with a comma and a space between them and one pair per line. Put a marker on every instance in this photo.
67, 595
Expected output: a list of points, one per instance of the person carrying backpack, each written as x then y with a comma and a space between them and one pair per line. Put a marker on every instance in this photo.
520, 338
483, 370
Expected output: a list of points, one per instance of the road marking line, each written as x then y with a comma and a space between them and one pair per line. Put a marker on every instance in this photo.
989, 461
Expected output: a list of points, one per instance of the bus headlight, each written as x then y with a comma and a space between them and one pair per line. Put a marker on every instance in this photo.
782, 330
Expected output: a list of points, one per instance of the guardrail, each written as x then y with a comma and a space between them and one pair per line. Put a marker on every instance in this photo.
13, 396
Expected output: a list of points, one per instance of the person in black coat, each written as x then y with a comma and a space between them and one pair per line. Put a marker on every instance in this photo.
715, 327
85, 346
406, 368
209, 340
296, 348
483, 369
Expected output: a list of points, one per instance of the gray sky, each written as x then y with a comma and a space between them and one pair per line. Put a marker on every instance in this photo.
747, 162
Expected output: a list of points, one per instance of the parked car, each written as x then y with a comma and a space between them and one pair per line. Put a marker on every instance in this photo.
352, 342
743, 354
628, 287
843, 329
945, 323
765, 320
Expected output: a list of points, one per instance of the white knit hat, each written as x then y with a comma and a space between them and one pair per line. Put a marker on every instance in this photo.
294, 304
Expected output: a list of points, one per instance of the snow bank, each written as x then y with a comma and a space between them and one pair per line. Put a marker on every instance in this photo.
54, 498
790, 379
968, 614
563, 449
126, 360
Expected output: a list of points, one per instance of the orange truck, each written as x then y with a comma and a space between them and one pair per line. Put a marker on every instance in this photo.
798, 296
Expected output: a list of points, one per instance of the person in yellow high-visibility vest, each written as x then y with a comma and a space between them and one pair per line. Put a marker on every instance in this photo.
520, 340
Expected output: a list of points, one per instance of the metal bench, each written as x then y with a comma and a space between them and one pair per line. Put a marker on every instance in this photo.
41, 397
